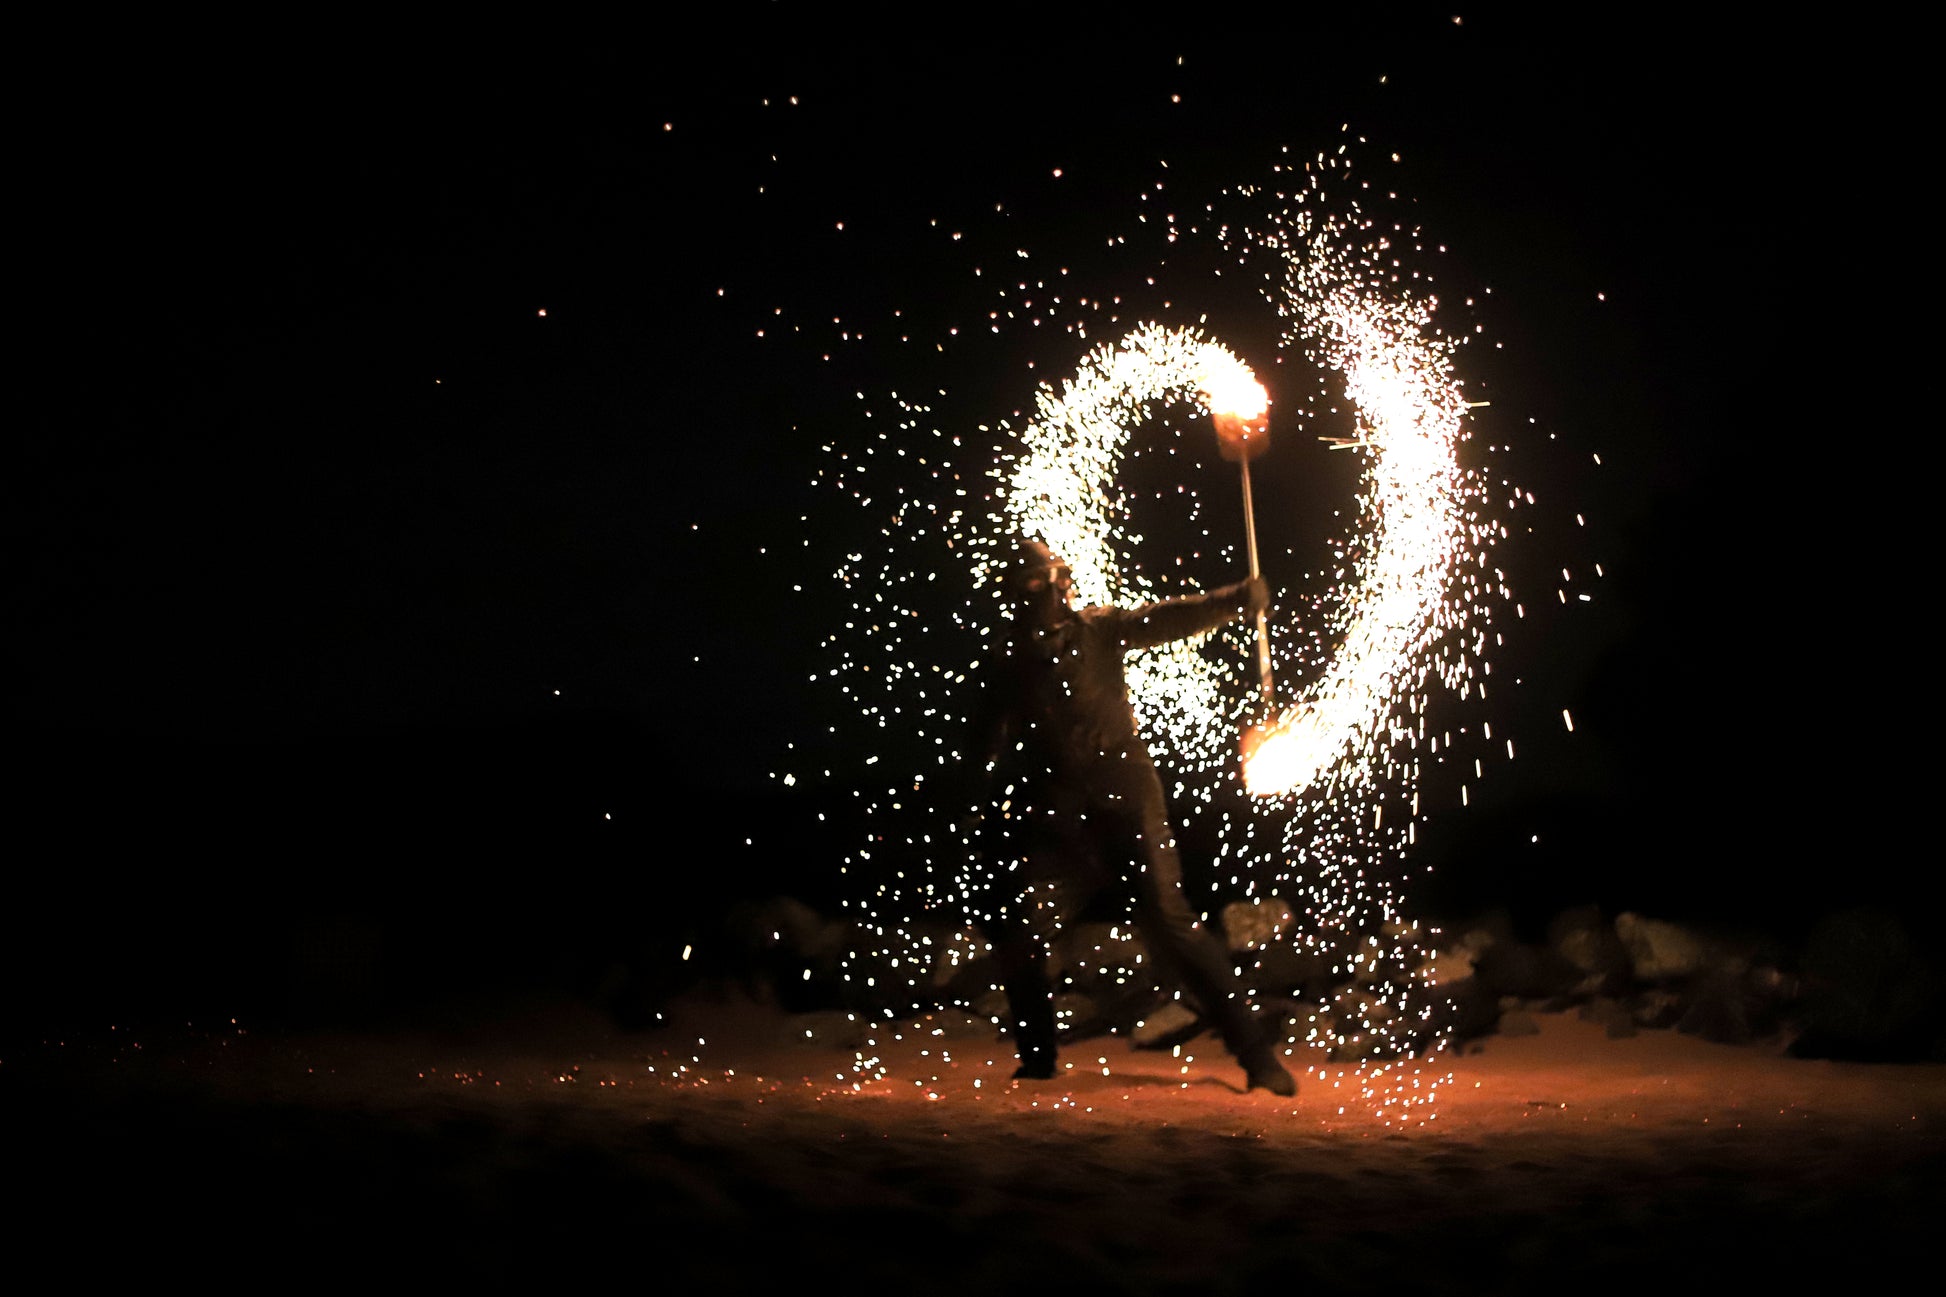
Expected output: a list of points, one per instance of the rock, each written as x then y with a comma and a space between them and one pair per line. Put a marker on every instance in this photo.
1655, 1007
789, 925
1355, 1004
1169, 1024
1077, 1016
1528, 971
893, 970
1406, 932
1366, 1027
1447, 966
1256, 924
1484, 930
788, 953
832, 1028
1462, 1009
1867, 993
1284, 971
1359, 1045
1455, 951
1659, 951
1274, 956
1716, 1009
1519, 1022
1770, 992
1613, 1016
1376, 961
1102, 958
1589, 942
955, 1024
1300, 969
960, 962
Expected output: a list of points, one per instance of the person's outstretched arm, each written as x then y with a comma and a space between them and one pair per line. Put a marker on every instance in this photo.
1173, 619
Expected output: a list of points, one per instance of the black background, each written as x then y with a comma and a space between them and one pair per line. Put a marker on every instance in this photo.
371, 617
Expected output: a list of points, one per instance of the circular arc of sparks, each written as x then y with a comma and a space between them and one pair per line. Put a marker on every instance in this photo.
1062, 491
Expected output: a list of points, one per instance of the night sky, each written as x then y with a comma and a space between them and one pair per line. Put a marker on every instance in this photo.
416, 526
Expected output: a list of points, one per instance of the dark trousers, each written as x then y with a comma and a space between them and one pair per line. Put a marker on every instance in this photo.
1065, 856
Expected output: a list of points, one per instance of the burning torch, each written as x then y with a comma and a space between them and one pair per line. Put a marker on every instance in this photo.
1240, 409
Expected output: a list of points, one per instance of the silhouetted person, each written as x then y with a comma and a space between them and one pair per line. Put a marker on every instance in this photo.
1075, 804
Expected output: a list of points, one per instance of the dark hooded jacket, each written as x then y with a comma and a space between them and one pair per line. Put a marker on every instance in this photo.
1059, 709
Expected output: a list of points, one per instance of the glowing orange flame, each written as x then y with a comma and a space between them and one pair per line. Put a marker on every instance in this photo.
1237, 394
1283, 757
1240, 408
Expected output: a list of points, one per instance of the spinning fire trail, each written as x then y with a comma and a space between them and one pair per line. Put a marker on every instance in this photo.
1309, 861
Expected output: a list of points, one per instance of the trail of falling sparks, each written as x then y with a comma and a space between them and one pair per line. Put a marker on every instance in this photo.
1414, 512
1311, 857
1062, 490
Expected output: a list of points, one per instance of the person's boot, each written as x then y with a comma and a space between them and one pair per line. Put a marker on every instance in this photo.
1255, 1041
1267, 1072
1035, 1065
1033, 1015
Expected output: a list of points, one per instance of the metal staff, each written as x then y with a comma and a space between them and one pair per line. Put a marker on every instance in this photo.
1242, 418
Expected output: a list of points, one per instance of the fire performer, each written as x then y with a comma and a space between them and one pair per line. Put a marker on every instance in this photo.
1075, 804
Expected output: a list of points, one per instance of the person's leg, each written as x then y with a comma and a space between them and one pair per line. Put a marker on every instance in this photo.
1047, 865
1020, 960
1188, 950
